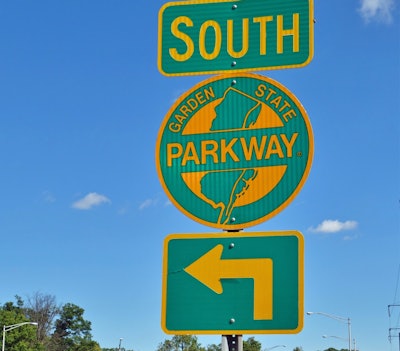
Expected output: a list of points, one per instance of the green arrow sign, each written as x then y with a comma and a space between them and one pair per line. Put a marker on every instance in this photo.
198, 37
233, 283
211, 268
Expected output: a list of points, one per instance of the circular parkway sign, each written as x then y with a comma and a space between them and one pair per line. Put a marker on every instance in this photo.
234, 150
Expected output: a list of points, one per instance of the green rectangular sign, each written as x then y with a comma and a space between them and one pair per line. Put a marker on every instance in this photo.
233, 283
215, 36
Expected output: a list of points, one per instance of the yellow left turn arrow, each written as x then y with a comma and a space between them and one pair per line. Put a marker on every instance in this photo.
210, 268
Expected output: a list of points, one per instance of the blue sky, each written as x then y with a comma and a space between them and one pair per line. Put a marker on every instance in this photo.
83, 215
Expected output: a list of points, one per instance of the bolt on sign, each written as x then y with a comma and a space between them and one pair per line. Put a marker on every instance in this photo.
233, 283
234, 150
199, 37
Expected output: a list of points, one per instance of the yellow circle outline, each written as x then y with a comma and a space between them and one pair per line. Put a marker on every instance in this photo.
286, 202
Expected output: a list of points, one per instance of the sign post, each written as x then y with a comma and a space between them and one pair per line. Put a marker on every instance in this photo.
232, 152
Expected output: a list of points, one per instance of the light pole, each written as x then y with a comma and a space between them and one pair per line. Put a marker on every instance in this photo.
120, 341
341, 338
340, 319
7, 328
333, 336
274, 347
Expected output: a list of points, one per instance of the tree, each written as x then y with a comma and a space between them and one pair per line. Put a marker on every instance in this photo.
165, 346
69, 332
88, 345
71, 329
185, 343
251, 345
21, 338
180, 343
42, 309
214, 347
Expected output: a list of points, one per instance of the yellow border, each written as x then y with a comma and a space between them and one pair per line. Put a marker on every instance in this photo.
179, 3
233, 235
287, 201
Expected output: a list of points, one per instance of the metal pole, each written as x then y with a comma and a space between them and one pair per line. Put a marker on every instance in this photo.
11, 327
232, 343
339, 319
4, 338
349, 326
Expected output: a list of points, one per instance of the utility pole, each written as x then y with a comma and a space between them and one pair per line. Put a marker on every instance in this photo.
390, 329
394, 336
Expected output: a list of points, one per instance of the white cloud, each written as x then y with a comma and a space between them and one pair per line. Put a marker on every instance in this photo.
153, 202
89, 201
379, 10
334, 226
148, 203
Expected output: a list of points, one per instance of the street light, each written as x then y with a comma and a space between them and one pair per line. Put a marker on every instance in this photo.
274, 347
340, 319
7, 328
341, 338
333, 336
120, 341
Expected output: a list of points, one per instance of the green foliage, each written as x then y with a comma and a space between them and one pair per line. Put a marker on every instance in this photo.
71, 324
22, 338
251, 345
213, 347
70, 332
180, 343
87, 345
